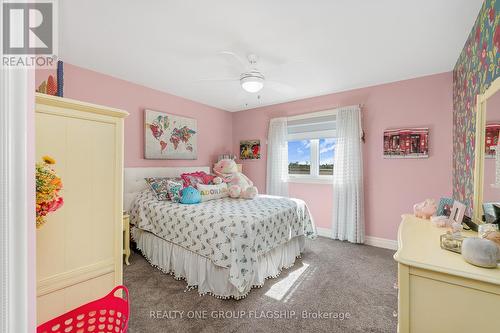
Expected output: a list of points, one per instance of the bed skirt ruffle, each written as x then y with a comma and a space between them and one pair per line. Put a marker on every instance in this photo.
199, 272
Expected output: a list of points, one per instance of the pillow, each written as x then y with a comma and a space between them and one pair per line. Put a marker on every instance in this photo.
190, 195
174, 190
211, 192
207, 179
159, 187
195, 178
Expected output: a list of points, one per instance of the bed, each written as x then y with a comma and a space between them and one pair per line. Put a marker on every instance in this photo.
223, 247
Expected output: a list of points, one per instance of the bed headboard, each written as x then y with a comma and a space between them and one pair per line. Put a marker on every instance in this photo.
133, 179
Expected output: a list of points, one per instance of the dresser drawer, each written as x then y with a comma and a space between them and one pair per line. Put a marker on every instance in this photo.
441, 307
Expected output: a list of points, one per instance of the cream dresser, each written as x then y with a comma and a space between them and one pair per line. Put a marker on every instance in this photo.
79, 249
438, 291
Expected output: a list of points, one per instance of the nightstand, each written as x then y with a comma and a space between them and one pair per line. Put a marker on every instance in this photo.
126, 237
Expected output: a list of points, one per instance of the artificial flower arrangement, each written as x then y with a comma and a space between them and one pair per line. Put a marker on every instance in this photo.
48, 185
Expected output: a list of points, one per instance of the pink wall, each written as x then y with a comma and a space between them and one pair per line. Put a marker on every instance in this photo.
214, 125
391, 186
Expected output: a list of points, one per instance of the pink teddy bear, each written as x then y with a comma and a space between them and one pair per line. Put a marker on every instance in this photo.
239, 184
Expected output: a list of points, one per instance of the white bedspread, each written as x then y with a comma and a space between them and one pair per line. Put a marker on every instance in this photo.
232, 233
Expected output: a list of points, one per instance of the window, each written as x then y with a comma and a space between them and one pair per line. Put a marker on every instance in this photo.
326, 155
299, 157
311, 147
311, 157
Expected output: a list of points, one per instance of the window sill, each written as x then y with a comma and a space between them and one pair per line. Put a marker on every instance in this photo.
310, 180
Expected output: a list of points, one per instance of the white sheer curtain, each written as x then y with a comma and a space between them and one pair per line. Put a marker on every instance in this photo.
348, 207
277, 158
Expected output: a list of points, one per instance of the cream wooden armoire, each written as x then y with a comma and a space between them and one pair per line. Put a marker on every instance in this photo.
79, 248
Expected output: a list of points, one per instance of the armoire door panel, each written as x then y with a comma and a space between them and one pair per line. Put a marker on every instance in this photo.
79, 247
50, 140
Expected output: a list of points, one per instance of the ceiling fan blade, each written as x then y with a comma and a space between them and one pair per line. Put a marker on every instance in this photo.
235, 58
279, 87
226, 79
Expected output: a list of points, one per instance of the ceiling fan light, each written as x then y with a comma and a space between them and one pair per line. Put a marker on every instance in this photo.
252, 84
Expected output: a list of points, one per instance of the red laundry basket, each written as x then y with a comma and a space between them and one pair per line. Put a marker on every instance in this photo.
109, 314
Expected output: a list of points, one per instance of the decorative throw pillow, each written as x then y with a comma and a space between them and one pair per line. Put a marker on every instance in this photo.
207, 179
159, 187
195, 178
190, 195
210, 192
174, 190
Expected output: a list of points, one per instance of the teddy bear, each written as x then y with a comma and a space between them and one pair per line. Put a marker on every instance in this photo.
239, 186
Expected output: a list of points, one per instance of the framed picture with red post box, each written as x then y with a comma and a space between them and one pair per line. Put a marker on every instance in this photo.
406, 143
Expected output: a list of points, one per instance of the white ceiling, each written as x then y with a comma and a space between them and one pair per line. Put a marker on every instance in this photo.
318, 47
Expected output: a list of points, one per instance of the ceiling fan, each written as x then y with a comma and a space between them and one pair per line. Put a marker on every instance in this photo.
251, 78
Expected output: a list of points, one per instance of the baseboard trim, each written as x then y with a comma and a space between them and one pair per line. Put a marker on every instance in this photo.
324, 232
381, 242
369, 240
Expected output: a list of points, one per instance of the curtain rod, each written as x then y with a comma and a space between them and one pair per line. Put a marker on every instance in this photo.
361, 105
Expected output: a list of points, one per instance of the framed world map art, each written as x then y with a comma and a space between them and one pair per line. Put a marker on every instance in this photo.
169, 137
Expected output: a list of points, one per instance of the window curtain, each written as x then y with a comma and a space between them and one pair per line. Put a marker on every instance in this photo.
348, 208
277, 158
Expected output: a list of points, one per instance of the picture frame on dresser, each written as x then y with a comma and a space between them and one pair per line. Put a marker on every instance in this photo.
457, 212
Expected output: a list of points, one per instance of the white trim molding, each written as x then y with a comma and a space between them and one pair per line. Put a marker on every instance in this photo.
15, 299
381, 242
307, 179
369, 240
324, 232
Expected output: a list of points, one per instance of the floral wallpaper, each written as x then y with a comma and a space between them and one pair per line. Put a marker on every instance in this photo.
476, 68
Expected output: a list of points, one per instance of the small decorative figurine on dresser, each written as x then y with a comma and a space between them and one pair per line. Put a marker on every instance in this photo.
425, 209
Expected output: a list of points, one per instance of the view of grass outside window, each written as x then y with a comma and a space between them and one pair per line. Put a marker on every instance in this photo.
326, 154
299, 157
302, 162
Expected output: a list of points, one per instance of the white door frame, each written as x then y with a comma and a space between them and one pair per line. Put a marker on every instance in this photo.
16, 275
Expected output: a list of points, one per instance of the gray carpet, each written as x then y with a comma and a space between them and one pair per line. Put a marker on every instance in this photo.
333, 278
